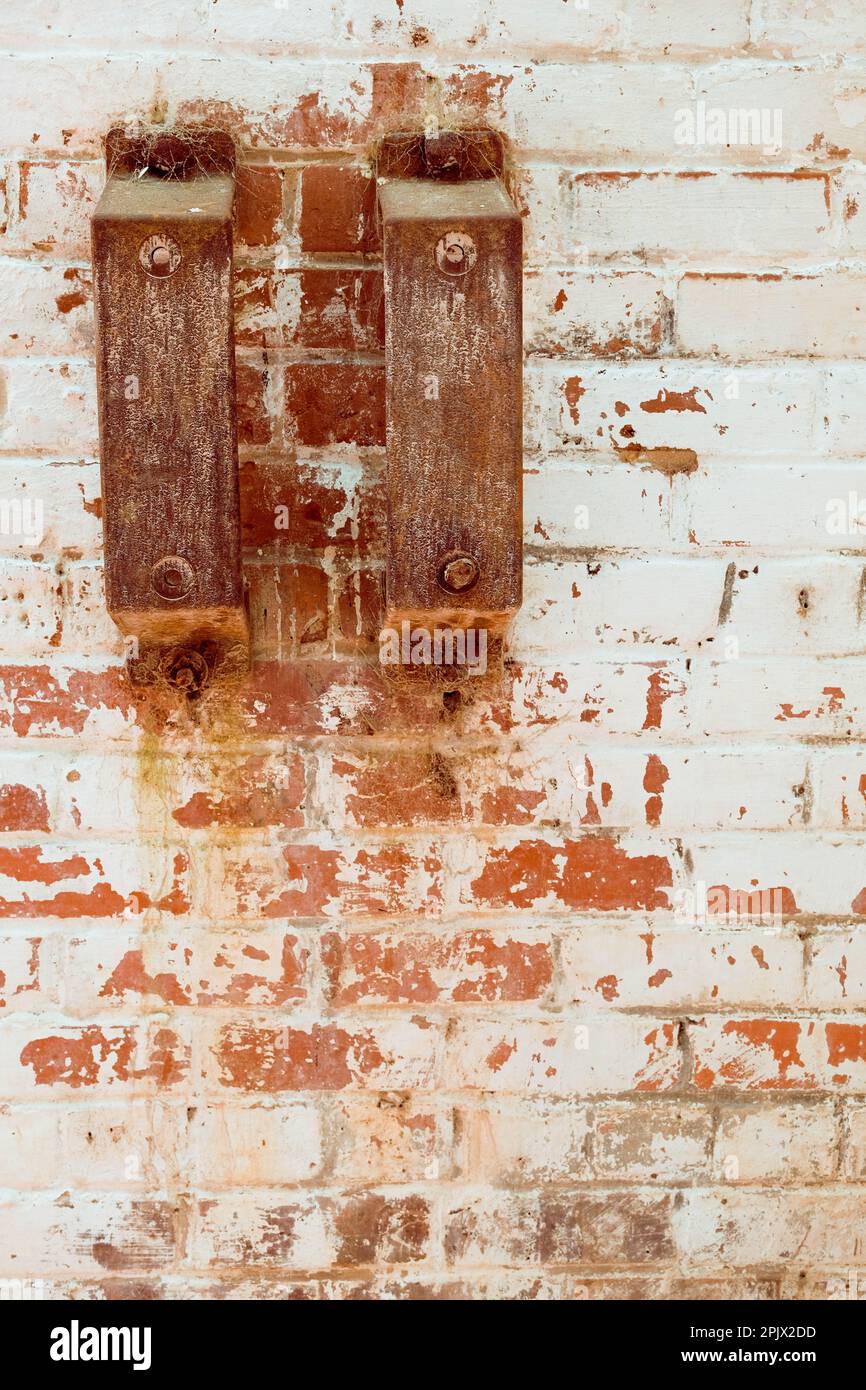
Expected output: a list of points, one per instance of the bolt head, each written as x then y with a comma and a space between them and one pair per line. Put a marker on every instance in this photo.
458, 573
456, 253
172, 577
159, 256
186, 669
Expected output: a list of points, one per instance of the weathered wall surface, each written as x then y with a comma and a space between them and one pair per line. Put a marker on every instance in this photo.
333, 989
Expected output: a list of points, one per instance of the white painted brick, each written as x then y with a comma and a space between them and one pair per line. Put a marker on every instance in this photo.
30, 621
800, 27
636, 407
749, 1054
87, 628
741, 1228
769, 506
59, 508
387, 1139
578, 315
821, 874
822, 111
667, 1142
783, 1143
628, 604
617, 787
28, 973
855, 1146
849, 199
668, 27
134, 1145
838, 778
844, 413
419, 26
836, 970
750, 788
542, 192
515, 1140
681, 968
607, 1053
31, 1146
790, 316
788, 698
271, 102
597, 505
256, 1145
44, 308
626, 111
742, 218
602, 698
56, 200
59, 1234
816, 605
258, 25
49, 406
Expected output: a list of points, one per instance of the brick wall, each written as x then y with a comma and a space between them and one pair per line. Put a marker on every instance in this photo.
340, 989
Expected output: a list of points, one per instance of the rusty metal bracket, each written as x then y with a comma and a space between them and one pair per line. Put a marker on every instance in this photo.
162, 257
454, 356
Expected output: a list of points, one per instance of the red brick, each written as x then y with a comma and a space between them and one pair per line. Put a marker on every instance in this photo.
594, 872
315, 507
254, 422
258, 205
335, 403
341, 309
288, 607
338, 209
475, 967
23, 808
359, 605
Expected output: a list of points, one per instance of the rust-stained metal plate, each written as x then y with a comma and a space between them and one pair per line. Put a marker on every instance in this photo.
453, 275
162, 256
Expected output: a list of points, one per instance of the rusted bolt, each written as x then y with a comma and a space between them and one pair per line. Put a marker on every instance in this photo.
172, 577
185, 669
442, 154
455, 253
458, 573
160, 256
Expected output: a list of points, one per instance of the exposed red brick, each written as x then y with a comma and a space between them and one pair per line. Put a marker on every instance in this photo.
23, 808
326, 1058
258, 205
422, 969
359, 605
338, 209
254, 423
592, 873
341, 309
335, 403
